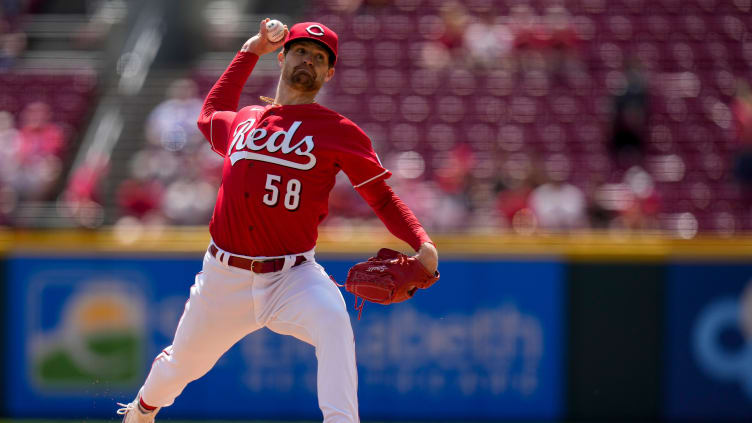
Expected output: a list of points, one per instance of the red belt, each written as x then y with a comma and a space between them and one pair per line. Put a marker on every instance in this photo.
256, 266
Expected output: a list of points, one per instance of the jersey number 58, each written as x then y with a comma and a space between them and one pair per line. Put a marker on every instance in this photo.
292, 193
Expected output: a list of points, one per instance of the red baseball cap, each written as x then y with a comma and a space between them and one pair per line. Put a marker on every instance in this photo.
314, 31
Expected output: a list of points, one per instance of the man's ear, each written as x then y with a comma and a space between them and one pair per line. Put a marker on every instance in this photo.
281, 58
329, 74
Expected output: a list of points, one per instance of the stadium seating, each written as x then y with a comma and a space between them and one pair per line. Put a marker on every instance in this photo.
68, 94
692, 52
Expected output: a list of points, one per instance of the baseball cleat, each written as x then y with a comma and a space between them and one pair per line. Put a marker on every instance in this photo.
135, 413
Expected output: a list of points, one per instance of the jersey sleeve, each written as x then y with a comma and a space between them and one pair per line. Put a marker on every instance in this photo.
396, 215
218, 111
359, 161
218, 133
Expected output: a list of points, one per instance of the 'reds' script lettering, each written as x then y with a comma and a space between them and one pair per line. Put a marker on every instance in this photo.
245, 141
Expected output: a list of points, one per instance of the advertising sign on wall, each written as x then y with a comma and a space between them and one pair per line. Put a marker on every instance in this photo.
485, 342
708, 352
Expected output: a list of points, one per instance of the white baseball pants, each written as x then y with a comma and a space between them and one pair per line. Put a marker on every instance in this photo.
227, 303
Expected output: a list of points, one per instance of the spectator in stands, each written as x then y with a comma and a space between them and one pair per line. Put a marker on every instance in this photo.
344, 6
175, 187
557, 204
8, 202
513, 200
449, 213
563, 43
221, 21
189, 198
632, 204
440, 211
487, 42
345, 201
455, 18
562, 34
630, 116
140, 198
545, 43
452, 172
12, 45
9, 141
599, 217
39, 155
95, 31
641, 212
39, 135
530, 38
358, 6
10, 9
172, 124
448, 49
480, 212
741, 108
82, 195
514, 183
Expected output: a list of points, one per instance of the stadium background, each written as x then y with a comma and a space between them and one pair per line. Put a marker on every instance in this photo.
584, 165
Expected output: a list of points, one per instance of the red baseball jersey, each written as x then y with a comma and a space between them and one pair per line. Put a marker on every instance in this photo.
280, 164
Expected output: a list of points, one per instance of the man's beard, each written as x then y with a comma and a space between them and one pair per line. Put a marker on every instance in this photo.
302, 79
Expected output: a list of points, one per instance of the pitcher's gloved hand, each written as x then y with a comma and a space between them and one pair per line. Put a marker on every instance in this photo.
390, 277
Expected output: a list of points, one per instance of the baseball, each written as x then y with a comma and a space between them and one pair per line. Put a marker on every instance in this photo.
275, 30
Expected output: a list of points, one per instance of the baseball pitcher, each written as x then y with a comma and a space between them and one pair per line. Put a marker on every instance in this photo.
280, 162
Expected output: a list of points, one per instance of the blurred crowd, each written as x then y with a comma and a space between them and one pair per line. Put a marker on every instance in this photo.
642, 181
12, 39
536, 61
32, 154
523, 195
742, 114
175, 176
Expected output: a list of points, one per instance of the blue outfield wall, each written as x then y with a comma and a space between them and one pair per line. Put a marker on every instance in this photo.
708, 343
485, 342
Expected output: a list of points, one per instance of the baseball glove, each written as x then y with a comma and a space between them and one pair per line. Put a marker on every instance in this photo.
390, 277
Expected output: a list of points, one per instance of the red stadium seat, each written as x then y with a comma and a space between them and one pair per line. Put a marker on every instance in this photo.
416, 108
368, 27
489, 109
450, 109
388, 53
396, 27
382, 108
425, 81
353, 81
352, 54
553, 137
621, 27
461, 82
388, 81
405, 136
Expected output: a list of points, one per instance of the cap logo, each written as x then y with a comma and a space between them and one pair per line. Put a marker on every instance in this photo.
312, 30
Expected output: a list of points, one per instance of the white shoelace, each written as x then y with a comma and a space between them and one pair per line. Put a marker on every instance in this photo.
126, 407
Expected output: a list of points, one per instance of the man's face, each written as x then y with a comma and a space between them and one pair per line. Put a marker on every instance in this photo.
305, 67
